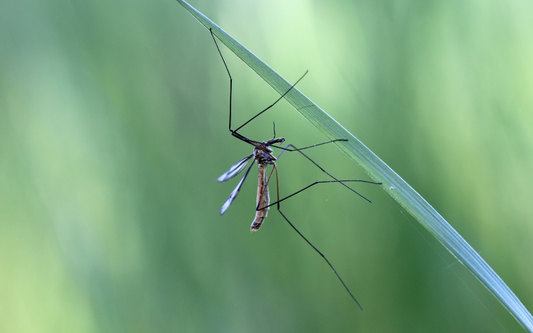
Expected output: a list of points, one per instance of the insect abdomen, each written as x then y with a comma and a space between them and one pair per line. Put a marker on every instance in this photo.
263, 199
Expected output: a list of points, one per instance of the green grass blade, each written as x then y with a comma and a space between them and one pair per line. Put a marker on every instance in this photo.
379, 171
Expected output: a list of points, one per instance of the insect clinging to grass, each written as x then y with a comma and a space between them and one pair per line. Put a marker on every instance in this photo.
263, 155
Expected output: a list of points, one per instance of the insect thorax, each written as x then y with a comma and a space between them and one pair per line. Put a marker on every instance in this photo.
262, 157
274, 141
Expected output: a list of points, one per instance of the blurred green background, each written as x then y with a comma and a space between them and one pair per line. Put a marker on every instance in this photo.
113, 131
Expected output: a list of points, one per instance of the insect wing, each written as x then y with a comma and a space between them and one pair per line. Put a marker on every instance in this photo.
233, 194
235, 169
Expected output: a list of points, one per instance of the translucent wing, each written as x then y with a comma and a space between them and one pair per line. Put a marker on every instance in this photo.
233, 194
235, 169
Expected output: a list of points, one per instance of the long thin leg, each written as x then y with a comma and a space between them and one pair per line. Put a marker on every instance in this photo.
324, 257
318, 144
271, 105
286, 148
229, 74
311, 244
327, 173
319, 182
231, 93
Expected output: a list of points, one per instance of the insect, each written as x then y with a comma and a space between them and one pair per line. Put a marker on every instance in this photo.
263, 155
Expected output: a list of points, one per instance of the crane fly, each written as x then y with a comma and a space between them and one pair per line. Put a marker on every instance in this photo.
263, 155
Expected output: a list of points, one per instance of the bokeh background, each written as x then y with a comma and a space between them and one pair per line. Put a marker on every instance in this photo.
113, 130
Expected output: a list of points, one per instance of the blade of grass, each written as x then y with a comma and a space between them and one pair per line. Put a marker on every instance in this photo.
379, 171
